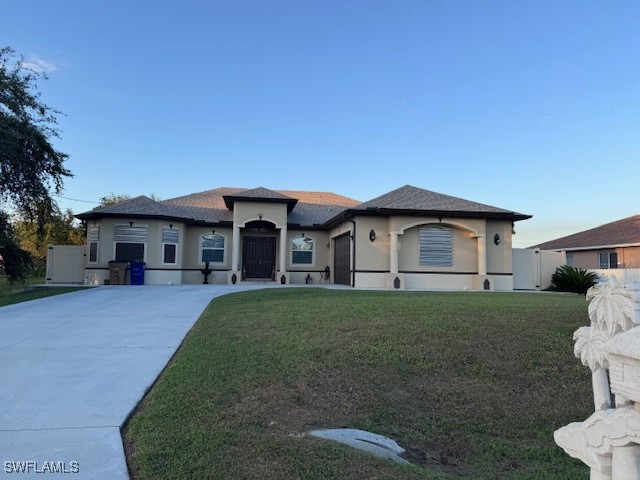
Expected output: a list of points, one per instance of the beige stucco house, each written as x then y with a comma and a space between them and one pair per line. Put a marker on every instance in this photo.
613, 245
409, 238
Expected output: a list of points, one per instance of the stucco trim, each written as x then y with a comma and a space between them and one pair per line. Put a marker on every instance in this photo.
447, 223
258, 219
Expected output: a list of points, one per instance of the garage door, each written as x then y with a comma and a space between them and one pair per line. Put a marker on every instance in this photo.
342, 260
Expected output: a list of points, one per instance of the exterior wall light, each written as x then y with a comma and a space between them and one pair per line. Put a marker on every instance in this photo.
372, 235
496, 239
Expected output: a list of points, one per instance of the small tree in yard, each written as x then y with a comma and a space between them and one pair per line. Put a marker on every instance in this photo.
59, 229
30, 167
572, 279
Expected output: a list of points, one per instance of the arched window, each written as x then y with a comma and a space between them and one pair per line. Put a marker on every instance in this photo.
436, 246
302, 250
212, 248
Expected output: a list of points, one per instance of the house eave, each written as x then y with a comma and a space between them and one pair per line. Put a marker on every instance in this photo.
593, 247
98, 215
386, 212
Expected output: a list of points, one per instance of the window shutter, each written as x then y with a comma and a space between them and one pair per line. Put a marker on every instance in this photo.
170, 235
93, 234
125, 233
436, 247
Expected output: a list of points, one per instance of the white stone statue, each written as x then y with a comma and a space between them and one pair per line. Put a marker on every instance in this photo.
608, 441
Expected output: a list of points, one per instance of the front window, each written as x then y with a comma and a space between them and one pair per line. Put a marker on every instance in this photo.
609, 260
130, 243
436, 247
212, 248
302, 251
129, 252
170, 240
93, 237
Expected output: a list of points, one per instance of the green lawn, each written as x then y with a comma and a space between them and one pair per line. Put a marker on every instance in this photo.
471, 384
10, 294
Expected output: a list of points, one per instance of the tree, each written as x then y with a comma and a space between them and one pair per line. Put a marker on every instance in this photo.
15, 262
30, 166
113, 198
60, 229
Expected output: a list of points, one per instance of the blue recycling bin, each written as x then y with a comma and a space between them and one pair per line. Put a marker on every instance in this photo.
137, 273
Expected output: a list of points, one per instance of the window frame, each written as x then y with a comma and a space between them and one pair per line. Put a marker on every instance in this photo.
164, 244
609, 255
97, 244
93, 238
202, 248
144, 244
313, 251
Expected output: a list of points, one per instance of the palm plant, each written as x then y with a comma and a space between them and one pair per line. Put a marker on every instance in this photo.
572, 279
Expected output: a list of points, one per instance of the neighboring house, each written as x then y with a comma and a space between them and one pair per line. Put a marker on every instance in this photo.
614, 245
408, 238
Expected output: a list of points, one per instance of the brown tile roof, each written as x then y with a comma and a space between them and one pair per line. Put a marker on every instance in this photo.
312, 208
414, 198
320, 198
214, 198
620, 232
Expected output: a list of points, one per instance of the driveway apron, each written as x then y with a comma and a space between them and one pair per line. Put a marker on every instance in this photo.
73, 367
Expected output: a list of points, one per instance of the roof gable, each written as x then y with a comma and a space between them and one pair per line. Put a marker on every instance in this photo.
260, 194
410, 198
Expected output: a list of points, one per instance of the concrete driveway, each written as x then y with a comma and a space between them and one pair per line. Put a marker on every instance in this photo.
73, 366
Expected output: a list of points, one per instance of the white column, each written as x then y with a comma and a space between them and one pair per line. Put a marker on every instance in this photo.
283, 248
235, 252
482, 254
393, 253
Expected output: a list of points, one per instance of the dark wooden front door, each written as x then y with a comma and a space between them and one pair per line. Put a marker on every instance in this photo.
342, 260
259, 256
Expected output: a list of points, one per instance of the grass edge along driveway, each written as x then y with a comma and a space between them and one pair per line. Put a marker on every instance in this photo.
471, 384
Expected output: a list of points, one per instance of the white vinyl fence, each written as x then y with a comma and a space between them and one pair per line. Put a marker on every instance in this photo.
624, 275
532, 267
65, 264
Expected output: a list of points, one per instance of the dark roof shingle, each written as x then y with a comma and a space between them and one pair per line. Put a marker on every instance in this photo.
414, 198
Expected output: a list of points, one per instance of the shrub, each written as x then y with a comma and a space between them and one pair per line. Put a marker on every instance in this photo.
572, 279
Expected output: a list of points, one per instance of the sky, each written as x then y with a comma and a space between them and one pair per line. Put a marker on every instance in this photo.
529, 106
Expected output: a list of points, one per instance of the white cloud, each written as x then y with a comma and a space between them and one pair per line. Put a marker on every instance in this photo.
39, 65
